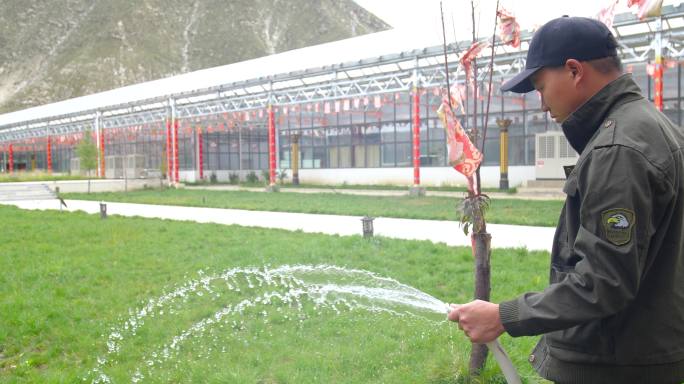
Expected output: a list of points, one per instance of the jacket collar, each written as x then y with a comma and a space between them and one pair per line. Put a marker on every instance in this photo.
582, 124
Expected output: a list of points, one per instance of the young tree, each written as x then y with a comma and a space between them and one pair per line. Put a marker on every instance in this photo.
466, 158
87, 154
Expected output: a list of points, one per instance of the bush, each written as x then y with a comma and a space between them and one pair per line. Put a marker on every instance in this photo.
234, 178
266, 175
282, 175
213, 179
252, 177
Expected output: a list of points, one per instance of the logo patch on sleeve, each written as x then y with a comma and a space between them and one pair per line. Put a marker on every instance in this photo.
617, 224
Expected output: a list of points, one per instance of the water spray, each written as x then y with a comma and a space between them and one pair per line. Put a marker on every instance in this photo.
245, 294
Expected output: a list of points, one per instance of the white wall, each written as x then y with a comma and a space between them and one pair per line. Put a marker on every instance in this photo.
429, 176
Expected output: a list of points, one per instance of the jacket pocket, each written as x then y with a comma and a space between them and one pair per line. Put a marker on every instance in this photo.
590, 342
585, 343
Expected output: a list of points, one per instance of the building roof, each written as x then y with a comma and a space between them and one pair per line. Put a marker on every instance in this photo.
365, 54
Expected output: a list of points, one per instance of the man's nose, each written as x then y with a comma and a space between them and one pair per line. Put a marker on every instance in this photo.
544, 107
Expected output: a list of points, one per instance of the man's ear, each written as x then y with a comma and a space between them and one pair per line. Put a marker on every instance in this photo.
575, 68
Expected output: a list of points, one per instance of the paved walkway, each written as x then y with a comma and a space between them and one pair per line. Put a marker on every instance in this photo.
449, 232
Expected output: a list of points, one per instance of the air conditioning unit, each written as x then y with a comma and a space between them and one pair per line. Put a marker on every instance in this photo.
135, 165
552, 153
113, 167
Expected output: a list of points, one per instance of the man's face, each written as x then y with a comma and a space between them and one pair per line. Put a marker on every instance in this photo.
558, 92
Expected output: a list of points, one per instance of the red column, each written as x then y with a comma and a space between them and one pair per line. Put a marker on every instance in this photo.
175, 150
11, 159
416, 136
200, 161
169, 167
102, 153
271, 145
658, 84
49, 155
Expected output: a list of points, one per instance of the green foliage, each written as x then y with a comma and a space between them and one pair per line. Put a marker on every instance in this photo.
212, 178
252, 177
87, 153
234, 178
471, 212
282, 176
266, 175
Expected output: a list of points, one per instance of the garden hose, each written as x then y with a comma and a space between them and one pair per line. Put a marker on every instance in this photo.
502, 359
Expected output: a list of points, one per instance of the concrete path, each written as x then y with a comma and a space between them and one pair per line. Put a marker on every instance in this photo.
25, 191
449, 232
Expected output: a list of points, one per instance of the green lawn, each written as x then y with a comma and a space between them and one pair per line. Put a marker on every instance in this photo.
502, 211
372, 187
72, 283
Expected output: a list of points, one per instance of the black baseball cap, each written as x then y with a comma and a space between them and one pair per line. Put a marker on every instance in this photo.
560, 39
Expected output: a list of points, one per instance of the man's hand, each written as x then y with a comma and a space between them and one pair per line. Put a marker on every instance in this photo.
478, 319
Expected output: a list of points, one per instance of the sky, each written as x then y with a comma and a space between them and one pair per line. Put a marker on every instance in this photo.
423, 16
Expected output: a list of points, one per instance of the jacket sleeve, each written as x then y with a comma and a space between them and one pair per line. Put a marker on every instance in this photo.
616, 187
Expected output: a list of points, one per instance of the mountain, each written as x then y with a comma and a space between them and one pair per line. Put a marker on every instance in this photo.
51, 50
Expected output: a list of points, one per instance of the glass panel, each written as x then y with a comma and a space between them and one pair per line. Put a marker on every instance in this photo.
403, 154
670, 81
320, 158
403, 131
388, 155
492, 150
403, 106
344, 136
638, 71
386, 109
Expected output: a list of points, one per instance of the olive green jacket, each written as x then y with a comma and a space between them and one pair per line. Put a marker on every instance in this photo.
614, 309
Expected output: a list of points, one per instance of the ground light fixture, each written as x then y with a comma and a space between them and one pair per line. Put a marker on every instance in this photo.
103, 210
367, 222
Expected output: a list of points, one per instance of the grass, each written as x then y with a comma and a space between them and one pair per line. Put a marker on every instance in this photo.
502, 211
36, 176
381, 187
69, 279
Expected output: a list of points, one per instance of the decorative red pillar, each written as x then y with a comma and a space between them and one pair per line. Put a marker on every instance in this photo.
11, 159
102, 154
49, 155
271, 145
169, 166
175, 150
658, 70
200, 146
416, 136
658, 83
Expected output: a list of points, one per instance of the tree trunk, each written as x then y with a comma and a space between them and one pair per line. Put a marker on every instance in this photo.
481, 242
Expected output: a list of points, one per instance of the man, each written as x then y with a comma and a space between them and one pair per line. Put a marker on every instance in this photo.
614, 309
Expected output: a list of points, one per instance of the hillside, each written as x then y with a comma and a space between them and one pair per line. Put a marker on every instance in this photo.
51, 50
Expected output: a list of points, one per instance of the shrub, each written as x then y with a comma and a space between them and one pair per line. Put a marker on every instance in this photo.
266, 175
252, 177
282, 175
233, 178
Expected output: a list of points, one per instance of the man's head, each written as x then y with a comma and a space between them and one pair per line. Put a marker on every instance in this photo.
569, 59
